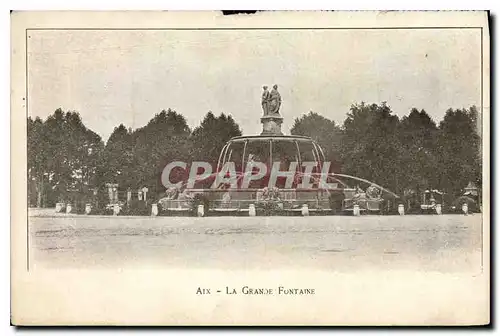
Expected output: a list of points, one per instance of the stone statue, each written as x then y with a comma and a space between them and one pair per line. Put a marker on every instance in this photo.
272, 120
265, 100
274, 101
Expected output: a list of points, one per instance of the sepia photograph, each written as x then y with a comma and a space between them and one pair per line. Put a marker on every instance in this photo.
322, 168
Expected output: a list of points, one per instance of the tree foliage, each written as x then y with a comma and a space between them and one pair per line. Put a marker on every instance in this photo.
407, 155
63, 156
66, 158
164, 139
370, 145
324, 131
459, 156
209, 138
418, 136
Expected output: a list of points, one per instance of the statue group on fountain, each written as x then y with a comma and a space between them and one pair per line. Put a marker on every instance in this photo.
271, 101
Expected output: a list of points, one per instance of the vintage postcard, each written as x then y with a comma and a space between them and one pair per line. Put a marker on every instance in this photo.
271, 168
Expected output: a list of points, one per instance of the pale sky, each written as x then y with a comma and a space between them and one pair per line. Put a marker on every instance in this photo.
113, 77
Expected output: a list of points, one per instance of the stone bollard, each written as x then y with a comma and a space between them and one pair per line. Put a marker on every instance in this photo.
201, 210
116, 209
465, 208
154, 209
305, 210
88, 208
251, 210
401, 209
58, 207
355, 210
439, 209
69, 208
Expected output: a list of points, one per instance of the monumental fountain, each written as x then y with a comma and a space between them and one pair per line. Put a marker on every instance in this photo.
273, 173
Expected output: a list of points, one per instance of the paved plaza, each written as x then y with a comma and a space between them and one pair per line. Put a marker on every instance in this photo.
446, 243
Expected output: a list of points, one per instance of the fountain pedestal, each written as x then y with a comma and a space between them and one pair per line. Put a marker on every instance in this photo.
271, 125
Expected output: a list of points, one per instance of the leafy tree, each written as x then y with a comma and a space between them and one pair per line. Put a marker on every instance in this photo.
459, 150
324, 131
418, 135
370, 146
209, 138
62, 156
37, 160
83, 150
164, 139
117, 161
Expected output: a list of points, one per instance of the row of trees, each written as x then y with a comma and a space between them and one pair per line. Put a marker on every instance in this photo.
65, 158
405, 155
